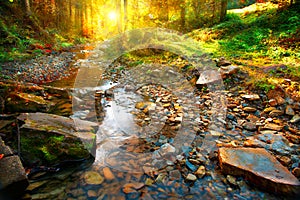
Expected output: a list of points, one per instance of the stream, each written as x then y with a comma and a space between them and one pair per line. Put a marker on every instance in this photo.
148, 141
160, 124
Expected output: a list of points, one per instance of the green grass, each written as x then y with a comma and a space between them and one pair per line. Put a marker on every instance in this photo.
256, 34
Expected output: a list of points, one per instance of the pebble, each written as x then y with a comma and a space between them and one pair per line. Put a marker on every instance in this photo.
250, 126
249, 109
200, 171
251, 97
175, 175
295, 119
108, 175
275, 113
191, 177
289, 110
272, 102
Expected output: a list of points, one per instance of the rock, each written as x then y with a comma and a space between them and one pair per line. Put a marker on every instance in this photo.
251, 97
191, 177
166, 149
50, 139
108, 175
260, 168
228, 70
269, 109
249, 109
276, 143
272, 126
175, 175
250, 126
132, 187
272, 102
92, 178
222, 62
200, 171
92, 193
296, 172
24, 102
5, 150
289, 110
13, 179
190, 165
275, 113
231, 180
280, 100
207, 77
295, 119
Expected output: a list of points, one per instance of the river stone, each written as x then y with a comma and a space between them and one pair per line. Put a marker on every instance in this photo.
13, 179
295, 119
191, 177
289, 110
251, 97
275, 113
272, 126
92, 178
108, 174
50, 139
249, 109
260, 168
207, 77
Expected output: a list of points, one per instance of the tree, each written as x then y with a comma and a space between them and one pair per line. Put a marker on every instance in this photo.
27, 7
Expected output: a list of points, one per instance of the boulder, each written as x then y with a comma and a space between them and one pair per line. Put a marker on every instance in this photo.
260, 168
13, 179
208, 77
49, 139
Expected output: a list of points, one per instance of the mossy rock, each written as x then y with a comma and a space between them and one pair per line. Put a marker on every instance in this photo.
50, 139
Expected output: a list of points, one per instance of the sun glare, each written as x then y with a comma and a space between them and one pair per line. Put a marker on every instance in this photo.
112, 15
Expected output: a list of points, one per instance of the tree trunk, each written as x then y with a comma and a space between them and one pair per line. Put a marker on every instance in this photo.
27, 7
118, 12
223, 9
125, 14
182, 15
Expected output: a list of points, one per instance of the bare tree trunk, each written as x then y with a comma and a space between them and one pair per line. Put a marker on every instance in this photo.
125, 14
182, 15
27, 7
119, 19
223, 9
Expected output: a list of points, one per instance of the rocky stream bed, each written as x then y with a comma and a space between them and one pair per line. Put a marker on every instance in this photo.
131, 138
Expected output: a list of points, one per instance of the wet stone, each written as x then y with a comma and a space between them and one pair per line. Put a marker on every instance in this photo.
260, 168
175, 175
92, 178
108, 175
201, 171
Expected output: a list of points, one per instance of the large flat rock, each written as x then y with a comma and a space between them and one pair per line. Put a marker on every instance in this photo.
260, 168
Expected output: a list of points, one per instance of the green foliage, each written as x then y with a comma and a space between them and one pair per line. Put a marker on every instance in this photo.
264, 84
